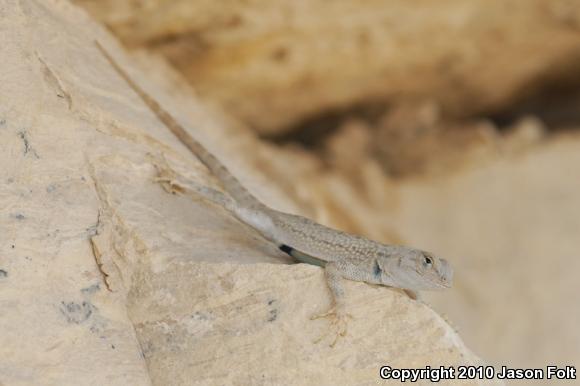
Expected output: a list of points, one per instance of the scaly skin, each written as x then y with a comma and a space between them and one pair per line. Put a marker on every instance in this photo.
343, 255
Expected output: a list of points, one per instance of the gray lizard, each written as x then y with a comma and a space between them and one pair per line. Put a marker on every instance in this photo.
343, 255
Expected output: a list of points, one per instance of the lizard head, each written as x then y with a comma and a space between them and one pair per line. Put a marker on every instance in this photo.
414, 269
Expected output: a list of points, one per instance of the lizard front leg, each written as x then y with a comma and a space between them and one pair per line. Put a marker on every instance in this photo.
336, 272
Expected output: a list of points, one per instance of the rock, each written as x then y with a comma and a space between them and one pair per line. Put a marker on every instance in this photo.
112, 280
274, 64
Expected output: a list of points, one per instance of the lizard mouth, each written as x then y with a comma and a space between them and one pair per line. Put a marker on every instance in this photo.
445, 283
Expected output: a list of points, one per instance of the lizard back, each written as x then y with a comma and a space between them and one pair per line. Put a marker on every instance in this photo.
315, 239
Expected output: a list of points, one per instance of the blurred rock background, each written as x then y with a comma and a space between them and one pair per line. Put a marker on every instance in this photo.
452, 126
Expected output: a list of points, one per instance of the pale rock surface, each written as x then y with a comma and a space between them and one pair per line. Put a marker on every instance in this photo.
106, 279
273, 63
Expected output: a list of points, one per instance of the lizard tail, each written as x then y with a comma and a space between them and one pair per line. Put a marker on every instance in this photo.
230, 183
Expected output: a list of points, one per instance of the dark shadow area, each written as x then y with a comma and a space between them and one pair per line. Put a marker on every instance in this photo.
313, 131
554, 98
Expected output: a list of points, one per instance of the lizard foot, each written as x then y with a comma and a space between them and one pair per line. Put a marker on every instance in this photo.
169, 185
166, 176
338, 324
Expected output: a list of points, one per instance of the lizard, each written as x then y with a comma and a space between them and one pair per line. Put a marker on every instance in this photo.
340, 254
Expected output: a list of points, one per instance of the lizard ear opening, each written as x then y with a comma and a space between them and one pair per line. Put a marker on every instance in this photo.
377, 269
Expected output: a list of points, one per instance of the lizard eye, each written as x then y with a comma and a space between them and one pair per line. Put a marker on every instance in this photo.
427, 261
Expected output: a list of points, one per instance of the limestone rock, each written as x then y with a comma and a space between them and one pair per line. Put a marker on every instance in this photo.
275, 63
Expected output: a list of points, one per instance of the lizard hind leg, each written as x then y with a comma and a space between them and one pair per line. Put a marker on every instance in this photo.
175, 183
